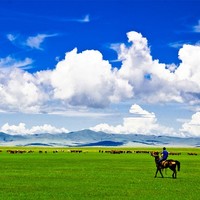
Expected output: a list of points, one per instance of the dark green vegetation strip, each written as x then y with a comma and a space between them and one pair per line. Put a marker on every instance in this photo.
94, 175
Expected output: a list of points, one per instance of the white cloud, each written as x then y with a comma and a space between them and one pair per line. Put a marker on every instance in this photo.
10, 62
156, 82
151, 80
136, 109
197, 27
192, 128
85, 19
177, 45
19, 91
35, 42
21, 129
88, 80
189, 69
188, 74
144, 123
11, 37
81, 79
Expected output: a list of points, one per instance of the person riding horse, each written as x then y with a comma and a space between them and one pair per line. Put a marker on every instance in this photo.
164, 156
172, 164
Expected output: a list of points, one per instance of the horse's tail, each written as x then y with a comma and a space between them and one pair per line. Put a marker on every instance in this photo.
178, 165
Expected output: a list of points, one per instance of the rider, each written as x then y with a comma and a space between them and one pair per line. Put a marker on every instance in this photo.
164, 156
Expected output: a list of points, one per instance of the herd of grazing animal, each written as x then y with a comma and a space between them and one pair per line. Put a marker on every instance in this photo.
122, 151
114, 151
39, 151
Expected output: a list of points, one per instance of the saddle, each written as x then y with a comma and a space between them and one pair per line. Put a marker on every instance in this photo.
166, 163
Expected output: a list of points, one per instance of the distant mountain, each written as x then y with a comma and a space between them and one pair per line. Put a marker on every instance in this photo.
104, 143
9, 138
92, 138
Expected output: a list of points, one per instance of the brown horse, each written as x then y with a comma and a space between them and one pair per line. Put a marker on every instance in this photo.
172, 164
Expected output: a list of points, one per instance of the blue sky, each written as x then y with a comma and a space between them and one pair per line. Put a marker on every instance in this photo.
114, 66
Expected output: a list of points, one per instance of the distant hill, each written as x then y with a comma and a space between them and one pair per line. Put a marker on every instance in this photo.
92, 138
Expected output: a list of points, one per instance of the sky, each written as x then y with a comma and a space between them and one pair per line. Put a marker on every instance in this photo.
118, 66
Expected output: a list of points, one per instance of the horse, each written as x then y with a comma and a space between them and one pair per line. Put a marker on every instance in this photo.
172, 164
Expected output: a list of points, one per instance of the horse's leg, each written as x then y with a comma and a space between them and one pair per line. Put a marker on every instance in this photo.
156, 173
158, 169
161, 173
175, 173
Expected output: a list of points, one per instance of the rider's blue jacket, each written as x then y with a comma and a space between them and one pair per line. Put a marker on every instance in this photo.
164, 154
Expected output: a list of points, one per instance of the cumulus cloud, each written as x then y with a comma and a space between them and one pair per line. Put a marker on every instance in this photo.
21, 129
88, 80
151, 80
188, 74
81, 79
19, 91
136, 109
157, 82
192, 127
143, 123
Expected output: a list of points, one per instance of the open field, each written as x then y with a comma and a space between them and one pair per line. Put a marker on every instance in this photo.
94, 175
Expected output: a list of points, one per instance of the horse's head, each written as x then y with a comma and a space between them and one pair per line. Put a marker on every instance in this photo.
155, 154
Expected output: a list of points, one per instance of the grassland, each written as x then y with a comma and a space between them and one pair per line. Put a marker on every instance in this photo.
94, 175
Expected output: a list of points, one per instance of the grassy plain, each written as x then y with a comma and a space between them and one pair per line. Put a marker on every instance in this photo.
94, 175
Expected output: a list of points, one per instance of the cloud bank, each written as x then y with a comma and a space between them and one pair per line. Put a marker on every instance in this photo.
146, 123
142, 122
21, 129
85, 79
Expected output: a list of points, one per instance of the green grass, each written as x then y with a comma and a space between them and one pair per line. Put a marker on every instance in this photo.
95, 175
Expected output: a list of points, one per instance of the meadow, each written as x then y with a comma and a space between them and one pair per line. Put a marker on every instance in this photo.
94, 175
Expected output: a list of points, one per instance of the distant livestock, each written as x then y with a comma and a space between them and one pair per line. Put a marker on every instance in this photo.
16, 151
174, 153
192, 154
143, 151
30, 151
115, 151
76, 151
